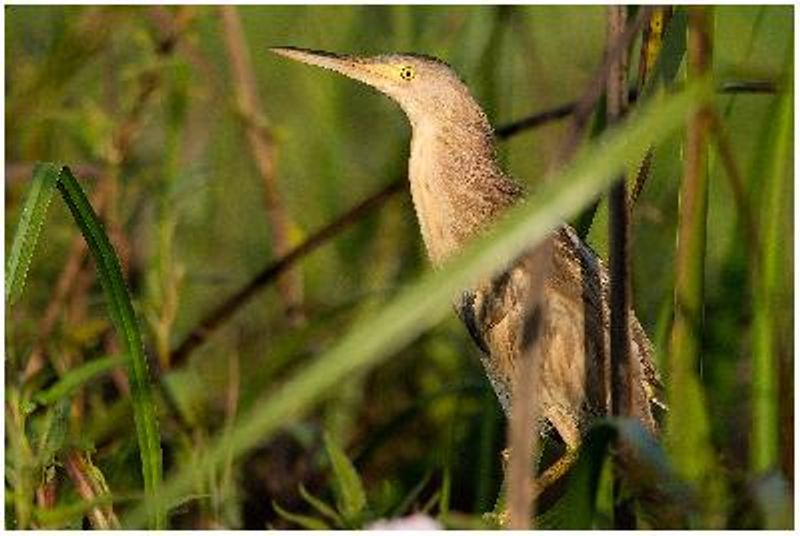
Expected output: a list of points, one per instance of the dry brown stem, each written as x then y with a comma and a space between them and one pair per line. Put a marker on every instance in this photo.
616, 98
262, 149
618, 229
523, 436
594, 91
90, 486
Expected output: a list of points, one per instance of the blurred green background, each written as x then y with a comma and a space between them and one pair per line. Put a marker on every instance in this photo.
188, 212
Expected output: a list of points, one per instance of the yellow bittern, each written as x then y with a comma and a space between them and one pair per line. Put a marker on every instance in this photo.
458, 190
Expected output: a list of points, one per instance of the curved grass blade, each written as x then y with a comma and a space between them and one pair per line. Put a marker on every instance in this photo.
306, 522
430, 299
73, 379
124, 320
321, 506
30, 224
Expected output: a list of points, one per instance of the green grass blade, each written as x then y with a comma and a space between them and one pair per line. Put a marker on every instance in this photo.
27, 233
321, 506
764, 438
124, 319
73, 379
428, 301
688, 425
306, 522
672, 52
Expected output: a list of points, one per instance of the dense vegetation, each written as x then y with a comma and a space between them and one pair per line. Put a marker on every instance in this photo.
338, 388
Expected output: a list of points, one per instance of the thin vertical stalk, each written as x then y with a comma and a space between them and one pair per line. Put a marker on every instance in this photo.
687, 424
621, 394
523, 437
764, 433
594, 90
618, 237
521, 440
262, 148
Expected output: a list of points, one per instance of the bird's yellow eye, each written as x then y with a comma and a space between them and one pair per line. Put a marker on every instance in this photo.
407, 73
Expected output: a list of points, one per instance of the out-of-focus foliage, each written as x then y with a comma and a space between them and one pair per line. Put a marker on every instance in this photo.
141, 100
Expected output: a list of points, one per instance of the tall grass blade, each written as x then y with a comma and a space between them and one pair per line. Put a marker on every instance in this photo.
124, 320
688, 425
30, 225
428, 301
764, 438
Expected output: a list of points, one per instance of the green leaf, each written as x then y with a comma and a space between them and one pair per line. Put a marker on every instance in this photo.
349, 490
123, 317
307, 522
426, 302
75, 378
28, 229
55, 432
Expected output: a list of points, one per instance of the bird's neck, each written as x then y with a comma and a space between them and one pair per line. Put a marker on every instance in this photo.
456, 184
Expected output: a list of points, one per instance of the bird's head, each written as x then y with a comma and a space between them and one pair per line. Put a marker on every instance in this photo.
423, 86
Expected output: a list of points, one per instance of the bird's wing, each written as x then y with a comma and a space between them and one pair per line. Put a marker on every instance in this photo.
494, 312
576, 260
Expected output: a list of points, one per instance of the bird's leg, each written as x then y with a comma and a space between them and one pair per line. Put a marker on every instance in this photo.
550, 476
556, 470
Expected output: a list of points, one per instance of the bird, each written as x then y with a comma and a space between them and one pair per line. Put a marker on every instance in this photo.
459, 190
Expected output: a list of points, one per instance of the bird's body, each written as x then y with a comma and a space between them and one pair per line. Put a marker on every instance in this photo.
458, 191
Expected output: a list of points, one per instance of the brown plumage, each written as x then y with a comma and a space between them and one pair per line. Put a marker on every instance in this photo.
459, 190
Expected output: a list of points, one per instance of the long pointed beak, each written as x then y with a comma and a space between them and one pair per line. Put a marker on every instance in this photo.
357, 68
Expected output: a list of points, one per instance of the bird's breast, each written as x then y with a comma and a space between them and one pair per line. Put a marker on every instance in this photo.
457, 188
